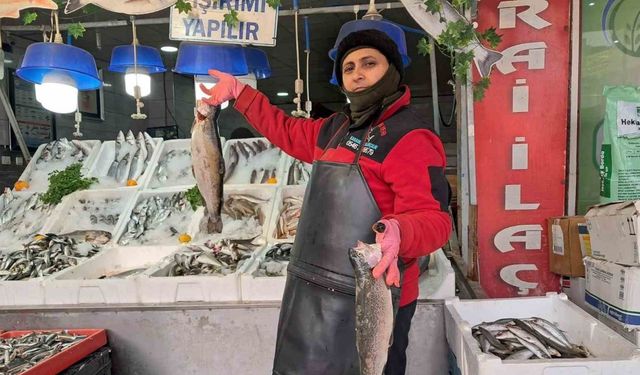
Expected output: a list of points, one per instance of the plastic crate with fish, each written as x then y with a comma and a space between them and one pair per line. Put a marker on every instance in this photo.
252, 161
111, 277
156, 218
56, 156
246, 214
607, 352
90, 210
49, 351
23, 270
265, 277
127, 159
439, 279
197, 273
173, 165
286, 213
21, 217
296, 172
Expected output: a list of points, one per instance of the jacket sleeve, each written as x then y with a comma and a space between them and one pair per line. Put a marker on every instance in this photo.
414, 169
295, 136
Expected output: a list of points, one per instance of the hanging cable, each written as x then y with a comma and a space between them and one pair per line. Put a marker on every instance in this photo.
137, 92
307, 105
299, 84
58, 36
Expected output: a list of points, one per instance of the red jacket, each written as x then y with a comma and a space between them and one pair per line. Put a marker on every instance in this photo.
403, 163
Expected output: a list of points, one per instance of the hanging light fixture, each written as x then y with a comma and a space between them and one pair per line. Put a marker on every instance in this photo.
148, 62
59, 71
137, 62
393, 31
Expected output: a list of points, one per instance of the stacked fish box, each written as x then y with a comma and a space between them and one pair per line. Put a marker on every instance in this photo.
21, 217
253, 161
126, 162
56, 156
438, 281
172, 167
265, 278
295, 172
613, 269
607, 352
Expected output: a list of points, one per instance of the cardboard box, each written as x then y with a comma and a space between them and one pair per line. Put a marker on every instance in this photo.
613, 230
632, 335
565, 254
614, 290
585, 239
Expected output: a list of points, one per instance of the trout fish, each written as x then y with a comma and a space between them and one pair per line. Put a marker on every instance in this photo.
134, 7
374, 310
435, 24
12, 8
208, 164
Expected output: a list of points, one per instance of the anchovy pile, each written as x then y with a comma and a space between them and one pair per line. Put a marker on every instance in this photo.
131, 157
299, 173
241, 155
239, 206
288, 218
275, 261
215, 258
520, 339
150, 213
60, 149
163, 171
19, 354
45, 255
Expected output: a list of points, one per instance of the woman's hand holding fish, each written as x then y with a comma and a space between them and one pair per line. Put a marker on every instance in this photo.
388, 237
227, 88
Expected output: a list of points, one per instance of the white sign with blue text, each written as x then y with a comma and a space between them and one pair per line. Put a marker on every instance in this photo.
258, 22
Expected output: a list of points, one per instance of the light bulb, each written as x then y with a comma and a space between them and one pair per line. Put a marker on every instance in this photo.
208, 82
58, 93
141, 79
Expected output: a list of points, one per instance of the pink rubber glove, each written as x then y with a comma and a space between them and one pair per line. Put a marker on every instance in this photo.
227, 88
389, 242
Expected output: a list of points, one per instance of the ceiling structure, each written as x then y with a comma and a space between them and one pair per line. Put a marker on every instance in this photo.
324, 29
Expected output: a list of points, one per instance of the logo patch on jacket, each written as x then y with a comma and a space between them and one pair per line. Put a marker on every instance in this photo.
369, 148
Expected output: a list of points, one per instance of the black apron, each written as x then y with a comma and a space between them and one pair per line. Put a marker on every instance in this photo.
316, 330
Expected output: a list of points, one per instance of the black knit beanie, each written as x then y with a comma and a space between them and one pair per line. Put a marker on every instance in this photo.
368, 38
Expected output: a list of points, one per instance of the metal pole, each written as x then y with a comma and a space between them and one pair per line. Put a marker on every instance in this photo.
14, 125
165, 20
434, 86
573, 114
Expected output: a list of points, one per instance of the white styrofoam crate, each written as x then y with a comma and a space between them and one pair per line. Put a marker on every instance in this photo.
611, 353
272, 158
186, 180
260, 288
103, 162
66, 218
155, 287
21, 293
632, 335
265, 192
37, 175
288, 162
439, 280
9, 239
283, 192
185, 227
81, 284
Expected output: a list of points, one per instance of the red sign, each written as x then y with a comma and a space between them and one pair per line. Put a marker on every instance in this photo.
521, 144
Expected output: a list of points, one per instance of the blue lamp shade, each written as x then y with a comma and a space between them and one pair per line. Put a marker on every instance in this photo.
198, 58
394, 32
257, 62
148, 58
41, 59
